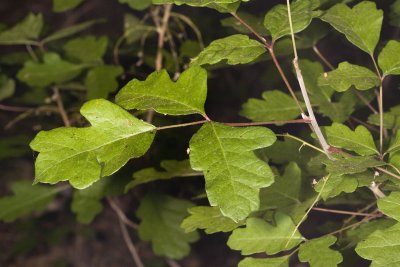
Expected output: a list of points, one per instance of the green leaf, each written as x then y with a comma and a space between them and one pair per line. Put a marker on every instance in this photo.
7, 87
260, 236
25, 32
224, 6
65, 5
336, 184
172, 168
350, 165
210, 219
275, 106
360, 140
382, 247
161, 217
390, 64
366, 229
277, 20
347, 75
253, 21
391, 119
13, 146
69, 31
135, 29
390, 205
102, 80
394, 15
235, 49
84, 155
137, 4
233, 173
317, 252
269, 262
361, 24
26, 199
52, 70
86, 49
158, 92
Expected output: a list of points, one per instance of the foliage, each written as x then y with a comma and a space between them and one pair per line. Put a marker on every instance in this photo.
257, 180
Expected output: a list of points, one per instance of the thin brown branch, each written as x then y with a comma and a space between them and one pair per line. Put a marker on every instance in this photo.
60, 106
172, 263
125, 234
262, 39
342, 212
14, 109
322, 57
121, 214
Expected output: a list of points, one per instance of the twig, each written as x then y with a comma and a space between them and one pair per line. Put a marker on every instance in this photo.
262, 39
342, 212
132, 249
300, 79
14, 109
322, 57
60, 105
121, 214
193, 26
172, 263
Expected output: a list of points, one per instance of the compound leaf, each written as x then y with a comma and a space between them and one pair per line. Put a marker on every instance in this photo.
210, 219
381, 247
317, 252
233, 173
260, 236
161, 217
275, 106
269, 262
277, 20
84, 155
390, 205
26, 199
390, 64
102, 80
172, 168
52, 70
361, 24
360, 140
186, 96
235, 49
347, 75
25, 32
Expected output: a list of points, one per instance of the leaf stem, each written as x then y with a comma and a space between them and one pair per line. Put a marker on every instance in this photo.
60, 106
300, 79
342, 212
302, 141
322, 57
262, 39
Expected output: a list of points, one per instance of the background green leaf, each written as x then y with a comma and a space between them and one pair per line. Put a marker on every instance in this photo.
86, 49
25, 32
102, 80
65, 5
317, 252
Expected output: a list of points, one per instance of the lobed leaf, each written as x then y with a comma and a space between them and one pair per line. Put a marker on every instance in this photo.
361, 24
161, 217
24, 32
210, 219
260, 236
277, 20
26, 199
390, 205
347, 75
86, 49
84, 155
317, 252
336, 184
158, 92
360, 140
235, 49
233, 173
389, 63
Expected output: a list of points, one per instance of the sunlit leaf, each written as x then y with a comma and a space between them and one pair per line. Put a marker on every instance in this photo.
336, 184
233, 173
268, 262
389, 63
137, 4
84, 155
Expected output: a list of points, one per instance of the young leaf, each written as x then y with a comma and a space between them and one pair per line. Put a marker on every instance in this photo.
137, 4
347, 75
65, 5
390, 64
275, 106
186, 96
390, 205
260, 236
210, 219
277, 20
173, 168
25, 32
102, 80
86, 49
66, 32
235, 49
52, 70
317, 252
269, 262
336, 184
84, 155
360, 140
26, 199
233, 173
161, 217
382, 247
361, 24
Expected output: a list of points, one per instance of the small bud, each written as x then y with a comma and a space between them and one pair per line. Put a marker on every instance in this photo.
188, 151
